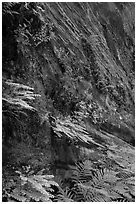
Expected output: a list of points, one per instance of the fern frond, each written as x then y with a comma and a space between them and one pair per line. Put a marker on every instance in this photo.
130, 181
74, 131
18, 103
64, 195
15, 96
17, 86
81, 174
16, 194
34, 188
91, 194
6, 7
100, 184
125, 174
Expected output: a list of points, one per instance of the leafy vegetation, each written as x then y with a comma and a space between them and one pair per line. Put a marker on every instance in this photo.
29, 187
97, 184
68, 102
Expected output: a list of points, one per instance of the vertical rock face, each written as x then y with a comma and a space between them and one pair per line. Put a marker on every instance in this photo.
81, 37
72, 53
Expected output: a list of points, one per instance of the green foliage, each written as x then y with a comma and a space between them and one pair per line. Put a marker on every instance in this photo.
6, 7
83, 183
82, 62
29, 187
21, 21
63, 195
26, 153
72, 130
17, 107
17, 96
96, 184
16, 99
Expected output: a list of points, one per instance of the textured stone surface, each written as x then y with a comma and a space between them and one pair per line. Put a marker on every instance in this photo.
79, 51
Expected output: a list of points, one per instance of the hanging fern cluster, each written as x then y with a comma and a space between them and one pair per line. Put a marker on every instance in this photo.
19, 115
74, 131
17, 96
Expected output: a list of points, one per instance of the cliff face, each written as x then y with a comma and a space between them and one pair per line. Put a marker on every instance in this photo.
73, 52
79, 57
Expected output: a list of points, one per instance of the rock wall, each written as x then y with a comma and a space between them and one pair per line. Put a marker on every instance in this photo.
72, 52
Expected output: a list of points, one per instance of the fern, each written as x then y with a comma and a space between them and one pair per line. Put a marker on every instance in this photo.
17, 95
32, 188
6, 8
88, 193
16, 107
64, 195
16, 98
73, 131
99, 184
81, 174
